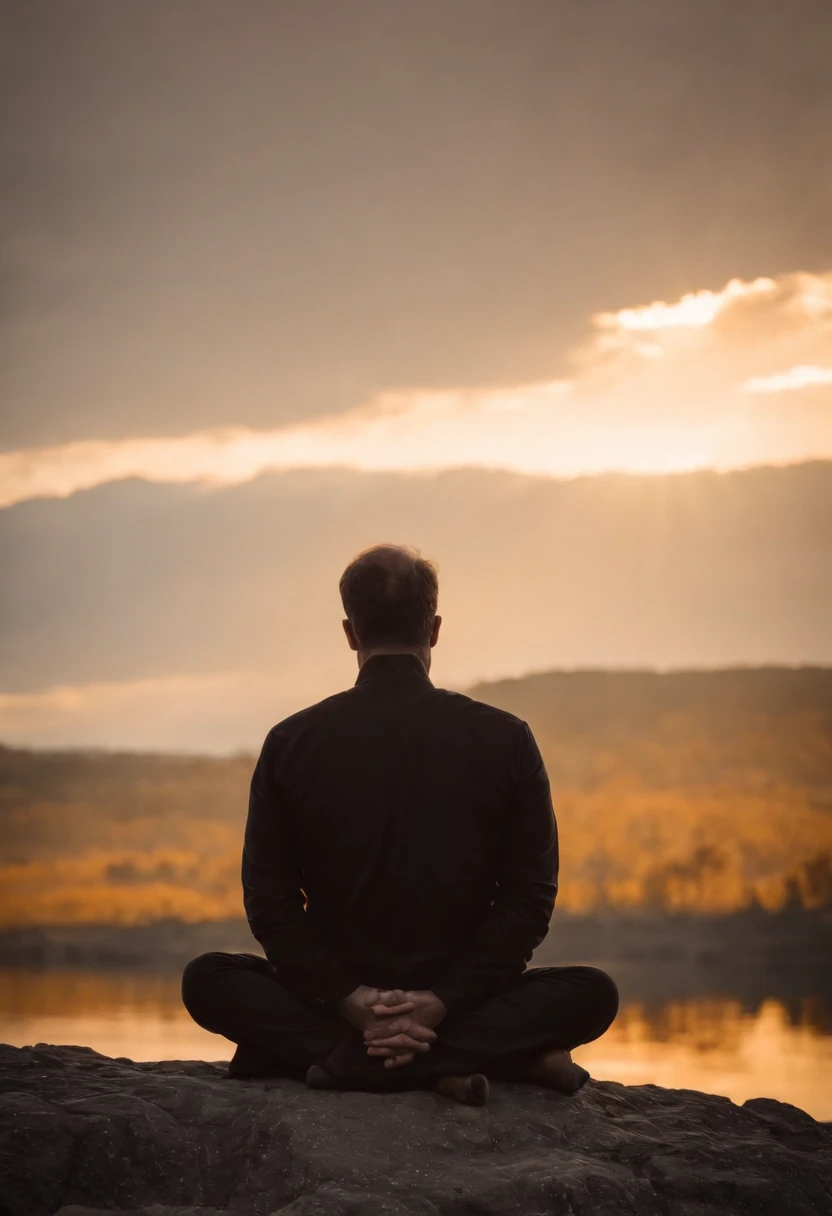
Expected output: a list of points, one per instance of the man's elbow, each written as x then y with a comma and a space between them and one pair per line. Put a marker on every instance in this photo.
259, 914
544, 908
531, 911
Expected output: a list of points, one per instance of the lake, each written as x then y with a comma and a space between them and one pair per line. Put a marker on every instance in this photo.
776, 1046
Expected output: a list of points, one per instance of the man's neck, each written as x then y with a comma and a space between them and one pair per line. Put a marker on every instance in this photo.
421, 652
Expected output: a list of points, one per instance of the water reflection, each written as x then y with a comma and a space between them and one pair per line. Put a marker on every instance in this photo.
780, 1049
720, 1047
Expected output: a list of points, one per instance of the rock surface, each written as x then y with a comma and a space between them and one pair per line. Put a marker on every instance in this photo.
83, 1134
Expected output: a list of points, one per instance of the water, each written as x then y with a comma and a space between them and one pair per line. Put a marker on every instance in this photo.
781, 1048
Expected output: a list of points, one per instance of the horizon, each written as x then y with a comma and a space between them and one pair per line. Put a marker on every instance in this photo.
249, 751
187, 618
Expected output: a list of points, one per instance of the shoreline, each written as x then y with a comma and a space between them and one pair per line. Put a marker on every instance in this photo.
753, 951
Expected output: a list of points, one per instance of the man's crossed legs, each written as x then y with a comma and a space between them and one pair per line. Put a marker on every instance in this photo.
547, 1010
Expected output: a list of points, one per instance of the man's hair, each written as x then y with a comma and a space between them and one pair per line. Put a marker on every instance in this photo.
389, 593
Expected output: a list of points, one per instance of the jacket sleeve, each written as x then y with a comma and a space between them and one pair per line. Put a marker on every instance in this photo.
527, 884
273, 894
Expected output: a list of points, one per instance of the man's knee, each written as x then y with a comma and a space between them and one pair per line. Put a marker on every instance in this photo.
199, 981
605, 994
593, 988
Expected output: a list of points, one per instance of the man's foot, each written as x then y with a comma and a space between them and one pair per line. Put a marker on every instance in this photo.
556, 1070
349, 1064
472, 1090
317, 1077
251, 1064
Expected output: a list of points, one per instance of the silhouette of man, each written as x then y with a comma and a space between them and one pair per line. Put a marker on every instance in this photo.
400, 866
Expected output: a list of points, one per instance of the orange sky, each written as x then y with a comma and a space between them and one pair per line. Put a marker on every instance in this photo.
718, 379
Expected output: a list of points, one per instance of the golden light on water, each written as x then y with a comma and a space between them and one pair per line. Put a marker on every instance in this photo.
716, 1046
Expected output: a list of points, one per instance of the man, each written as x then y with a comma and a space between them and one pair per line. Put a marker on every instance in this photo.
400, 866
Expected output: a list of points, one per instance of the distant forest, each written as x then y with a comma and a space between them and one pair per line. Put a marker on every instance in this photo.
688, 791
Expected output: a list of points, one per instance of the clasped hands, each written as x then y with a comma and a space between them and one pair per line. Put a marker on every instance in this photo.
396, 1024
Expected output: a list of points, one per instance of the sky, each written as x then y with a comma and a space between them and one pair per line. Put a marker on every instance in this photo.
289, 274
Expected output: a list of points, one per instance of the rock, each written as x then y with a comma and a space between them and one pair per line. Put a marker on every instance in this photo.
84, 1135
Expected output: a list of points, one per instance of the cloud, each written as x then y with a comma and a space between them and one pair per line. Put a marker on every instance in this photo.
663, 387
695, 309
801, 376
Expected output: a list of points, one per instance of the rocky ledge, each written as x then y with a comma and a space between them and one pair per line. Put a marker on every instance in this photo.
81, 1134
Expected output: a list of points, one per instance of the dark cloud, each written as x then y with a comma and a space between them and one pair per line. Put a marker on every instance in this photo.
218, 213
133, 580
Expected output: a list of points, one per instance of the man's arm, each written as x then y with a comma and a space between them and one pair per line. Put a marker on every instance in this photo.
273, 895
518, 919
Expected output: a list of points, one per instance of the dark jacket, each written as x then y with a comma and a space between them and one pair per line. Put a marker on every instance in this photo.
418, 824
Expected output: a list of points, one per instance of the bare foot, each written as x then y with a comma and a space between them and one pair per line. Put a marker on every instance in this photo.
472, 1090
317, 1077
556, 1070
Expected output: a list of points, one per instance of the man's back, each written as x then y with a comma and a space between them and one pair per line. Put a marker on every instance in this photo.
399, 836
404, 812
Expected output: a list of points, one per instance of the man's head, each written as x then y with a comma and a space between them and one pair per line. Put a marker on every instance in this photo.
389, 593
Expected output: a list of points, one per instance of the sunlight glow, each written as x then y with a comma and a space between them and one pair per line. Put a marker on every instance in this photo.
663, 405
527, 431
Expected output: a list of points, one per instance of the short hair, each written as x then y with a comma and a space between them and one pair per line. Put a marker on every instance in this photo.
390, 593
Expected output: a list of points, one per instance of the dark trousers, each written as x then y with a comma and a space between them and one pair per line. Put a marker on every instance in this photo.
240, 996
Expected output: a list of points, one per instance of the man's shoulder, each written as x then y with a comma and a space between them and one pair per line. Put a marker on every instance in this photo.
312, 715
450, 704
481, 712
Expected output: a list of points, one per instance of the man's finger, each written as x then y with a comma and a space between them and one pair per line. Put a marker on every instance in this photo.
386, 1052
384, 1027
391, 1011
387, 997
397, 1061
401, 1042
397, 1043
390, 997
400, 1026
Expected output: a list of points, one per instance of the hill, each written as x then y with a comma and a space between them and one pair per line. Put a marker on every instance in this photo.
686, 791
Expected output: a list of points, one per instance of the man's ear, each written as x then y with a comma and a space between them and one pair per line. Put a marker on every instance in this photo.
351, 638
434, 633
